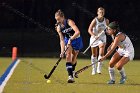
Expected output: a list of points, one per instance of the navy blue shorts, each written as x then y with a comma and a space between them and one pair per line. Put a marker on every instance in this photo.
77, 44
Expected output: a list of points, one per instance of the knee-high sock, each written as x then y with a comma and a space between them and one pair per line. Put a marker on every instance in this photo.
93, 60
122, 72
73, 66
99, 64
112, 73
69, 69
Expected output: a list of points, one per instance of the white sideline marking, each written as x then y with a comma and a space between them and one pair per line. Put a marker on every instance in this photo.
8, 76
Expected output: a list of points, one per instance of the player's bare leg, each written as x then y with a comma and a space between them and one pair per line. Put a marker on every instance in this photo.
121, 70
74, 61
69, 64
116, 57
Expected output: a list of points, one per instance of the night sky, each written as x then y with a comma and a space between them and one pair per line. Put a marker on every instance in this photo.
29, 24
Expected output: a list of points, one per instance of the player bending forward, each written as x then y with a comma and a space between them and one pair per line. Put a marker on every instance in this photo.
98, 24
124, 53
70, 37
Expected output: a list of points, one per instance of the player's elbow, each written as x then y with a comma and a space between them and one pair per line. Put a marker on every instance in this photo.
77, 32
89, 30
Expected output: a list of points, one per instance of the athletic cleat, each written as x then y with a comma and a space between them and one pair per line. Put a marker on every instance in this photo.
111, 82
99, 73
70, 79
122, 80
93, 72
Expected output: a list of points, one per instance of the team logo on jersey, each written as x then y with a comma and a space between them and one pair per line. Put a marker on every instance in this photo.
101, 26
67, 30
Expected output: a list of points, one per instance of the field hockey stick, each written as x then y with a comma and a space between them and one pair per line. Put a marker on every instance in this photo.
93, 42
84, 68
54, 67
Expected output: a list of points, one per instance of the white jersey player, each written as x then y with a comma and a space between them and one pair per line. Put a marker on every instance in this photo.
98, 25
124, 53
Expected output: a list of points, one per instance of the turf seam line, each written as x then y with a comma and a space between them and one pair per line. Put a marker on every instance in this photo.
7, 74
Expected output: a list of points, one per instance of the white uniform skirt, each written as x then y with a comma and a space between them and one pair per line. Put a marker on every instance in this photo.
96, 42
127, 52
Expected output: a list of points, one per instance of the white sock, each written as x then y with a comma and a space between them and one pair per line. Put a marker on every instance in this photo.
93, 60
122, 72
112, 73
99, 64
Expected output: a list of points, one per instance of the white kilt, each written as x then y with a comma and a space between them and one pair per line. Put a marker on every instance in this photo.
100, 40
128, 52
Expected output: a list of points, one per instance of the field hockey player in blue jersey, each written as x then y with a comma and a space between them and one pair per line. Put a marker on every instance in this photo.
69, 35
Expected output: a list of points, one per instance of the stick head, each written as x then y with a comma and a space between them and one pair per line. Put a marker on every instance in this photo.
45, 76
75, 75
83, 53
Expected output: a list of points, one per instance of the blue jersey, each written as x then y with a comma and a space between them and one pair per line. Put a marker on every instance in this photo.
67, 32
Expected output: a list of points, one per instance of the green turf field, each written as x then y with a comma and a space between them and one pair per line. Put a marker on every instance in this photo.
28, 78
4, 63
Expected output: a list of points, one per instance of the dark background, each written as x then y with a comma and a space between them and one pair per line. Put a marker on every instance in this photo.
29, 24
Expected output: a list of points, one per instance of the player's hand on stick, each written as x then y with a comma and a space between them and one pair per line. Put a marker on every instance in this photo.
101, 59
57, 26
94, 37
61, 55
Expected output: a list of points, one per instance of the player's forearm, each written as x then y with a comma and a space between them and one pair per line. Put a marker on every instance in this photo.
76, 34
109, 47
62, 45
90, 32
108, 53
